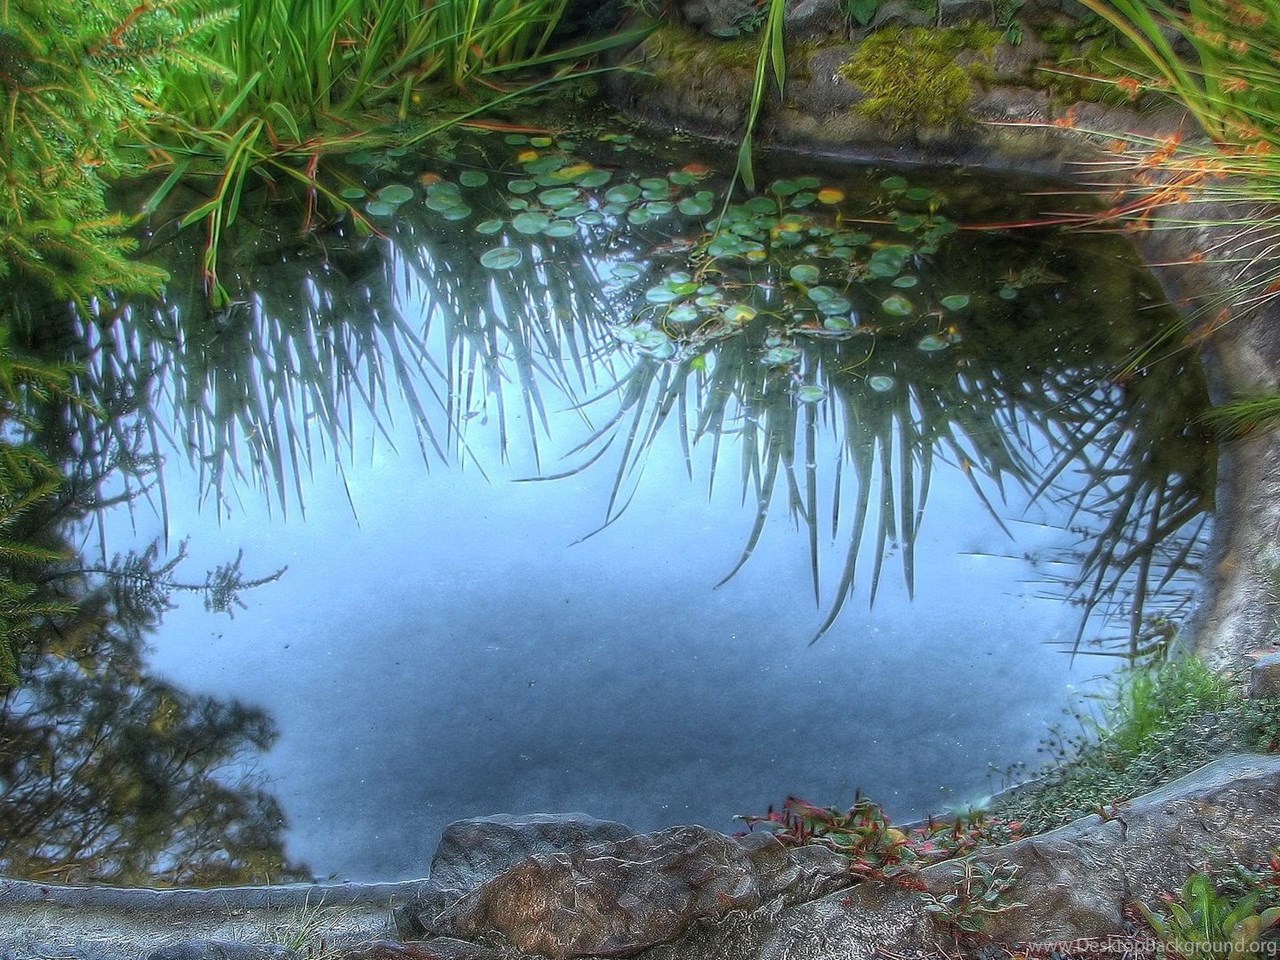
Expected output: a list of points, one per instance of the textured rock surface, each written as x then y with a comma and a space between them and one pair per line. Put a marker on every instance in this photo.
1076, 880
221, 950
614, 899
1264, 677
474, 851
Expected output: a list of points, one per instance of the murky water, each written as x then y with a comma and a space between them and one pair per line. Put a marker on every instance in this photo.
586, 506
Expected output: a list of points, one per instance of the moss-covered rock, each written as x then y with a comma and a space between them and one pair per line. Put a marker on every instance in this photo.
918, 77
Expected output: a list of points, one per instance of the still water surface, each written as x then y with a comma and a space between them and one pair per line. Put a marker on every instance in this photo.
551, 545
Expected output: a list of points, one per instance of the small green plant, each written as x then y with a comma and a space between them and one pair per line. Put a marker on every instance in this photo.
861, 12
982, 891
875, 847
1205, 923
911, 77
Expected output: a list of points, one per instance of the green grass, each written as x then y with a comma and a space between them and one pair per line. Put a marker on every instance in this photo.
297, 82
1157, 724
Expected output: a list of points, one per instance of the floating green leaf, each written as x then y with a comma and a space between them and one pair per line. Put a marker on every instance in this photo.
558, 197
530, 222
957, 301
897, 306
931, 343
473, 178
352, 193
811, 393
805, 273
880, 383
623, 193
489, 226
376, 208
396, 193
738, 313
522, 186
502, 258
593, 178
780, 356
560, 228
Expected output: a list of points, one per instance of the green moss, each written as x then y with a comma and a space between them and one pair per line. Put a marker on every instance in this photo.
684, 49
916, 77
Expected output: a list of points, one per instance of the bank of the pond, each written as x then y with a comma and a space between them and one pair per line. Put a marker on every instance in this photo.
1237, 617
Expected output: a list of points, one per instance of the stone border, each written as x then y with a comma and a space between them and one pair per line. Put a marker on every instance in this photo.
1236, 613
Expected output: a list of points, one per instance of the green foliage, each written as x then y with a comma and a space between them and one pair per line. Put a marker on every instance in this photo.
303, 80
1161, 723
861, 12
1150, 701
911, 77
1245, 415
27, 479
982, 890
1205, 923
73, 75
875, 847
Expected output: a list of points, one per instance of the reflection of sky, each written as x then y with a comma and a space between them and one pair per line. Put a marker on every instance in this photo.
455, 653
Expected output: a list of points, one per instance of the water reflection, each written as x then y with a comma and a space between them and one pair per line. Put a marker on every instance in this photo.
846, 365
992, 353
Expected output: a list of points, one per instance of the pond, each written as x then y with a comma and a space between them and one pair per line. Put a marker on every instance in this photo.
588, 491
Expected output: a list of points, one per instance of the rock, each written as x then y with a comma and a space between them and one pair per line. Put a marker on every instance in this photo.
46, 951
615, 899
1076, 880
1264, 676
811, 19
441, 948
472, 852
222, 950
866, 921
713, 16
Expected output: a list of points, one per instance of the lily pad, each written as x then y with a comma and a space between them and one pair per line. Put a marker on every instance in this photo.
880, 383
931, 343
805, 273
530, 222
593, 178
811, 393
489, 226
623, 193
473, 178
560, 228
738, 313
376, 208
957, 301
626, 271
395, 193
559, 197
780, 356
353, 193
661, 294
897, 306
522, 186
502, 258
